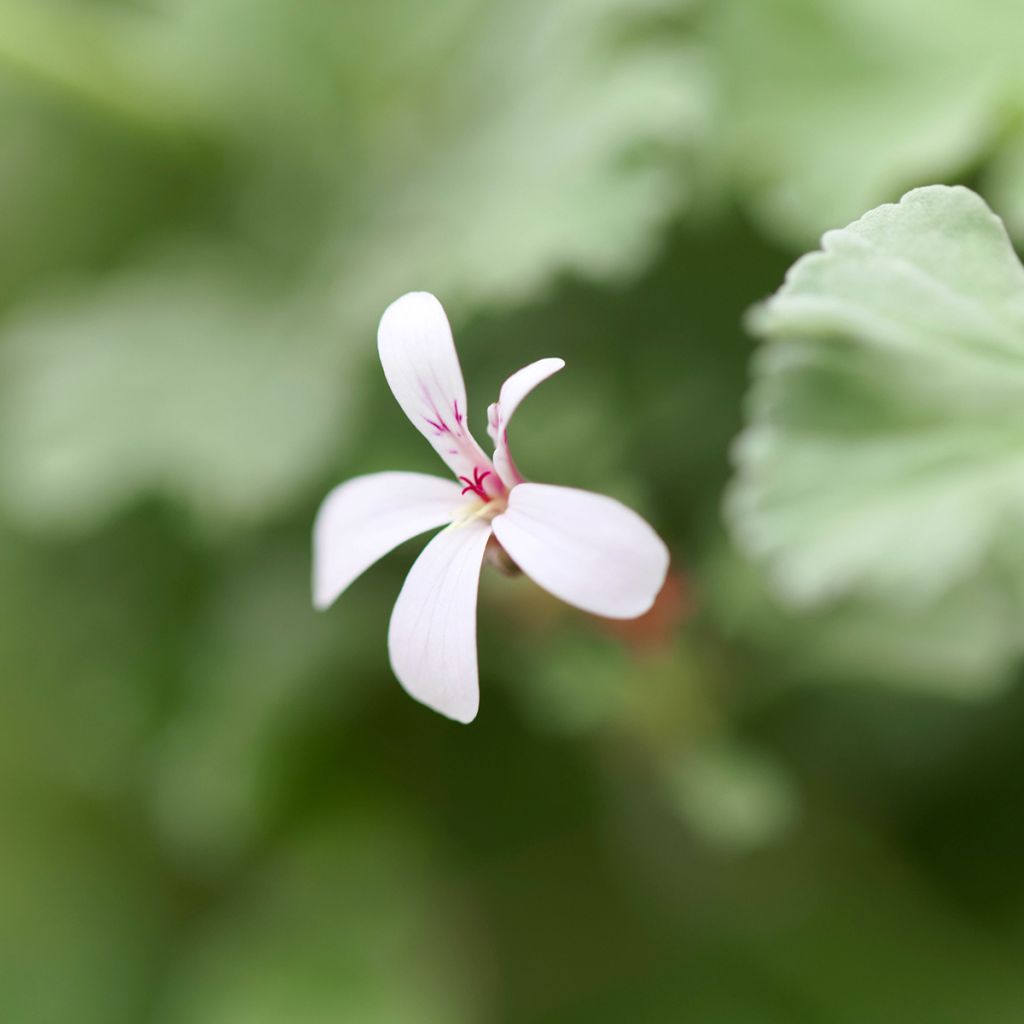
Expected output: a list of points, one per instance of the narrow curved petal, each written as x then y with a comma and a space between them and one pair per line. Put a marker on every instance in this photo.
589, 550
422, 369
432, 637
361, 520
513, 391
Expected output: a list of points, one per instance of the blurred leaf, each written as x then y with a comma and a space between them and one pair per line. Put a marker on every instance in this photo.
340, 927
1002, 181
225, 757
962, 645
185, 376
94, 54
883, 456
88, 649
835, 926
573, 687
76, 191
559, 140
498, 146
733, 795
80, 916
829, 107
475, 152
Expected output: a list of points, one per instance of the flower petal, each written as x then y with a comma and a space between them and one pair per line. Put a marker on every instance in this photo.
361, 520
422, 369
513, 391
587, 549
432, 636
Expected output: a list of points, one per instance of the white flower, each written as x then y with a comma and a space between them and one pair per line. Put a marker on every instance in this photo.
584, 548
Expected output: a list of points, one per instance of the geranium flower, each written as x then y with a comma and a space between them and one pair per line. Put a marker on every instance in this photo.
587, 549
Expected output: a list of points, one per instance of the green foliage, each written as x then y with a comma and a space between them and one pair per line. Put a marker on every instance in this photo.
883, 454
496, 148
734, 796
788, 794
962, 645
882, 461
339, 926
171, 378
829, 107
82, 914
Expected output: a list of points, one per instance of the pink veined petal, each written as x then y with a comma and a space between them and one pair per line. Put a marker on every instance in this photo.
422, 369
432, 636
513, 391
361, 520
589, 550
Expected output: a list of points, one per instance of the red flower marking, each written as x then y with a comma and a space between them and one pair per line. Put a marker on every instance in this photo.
476, 485
438, 422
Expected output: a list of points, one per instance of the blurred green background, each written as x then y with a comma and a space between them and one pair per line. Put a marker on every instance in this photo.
218, 807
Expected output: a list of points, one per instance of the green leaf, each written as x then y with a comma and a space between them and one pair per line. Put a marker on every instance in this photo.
833, 106
340, 925
361, 152
82, 912
558, 143
476, 153
177, 378
961, 646
88, 651
95, 54
225, 759
885, 451
733, 795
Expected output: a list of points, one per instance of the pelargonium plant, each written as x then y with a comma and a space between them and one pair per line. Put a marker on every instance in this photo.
586, 549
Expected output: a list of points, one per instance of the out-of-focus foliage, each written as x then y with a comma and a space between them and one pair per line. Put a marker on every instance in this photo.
337, 926
961, 644
344, 153
829, 107
883, 455
887, 397
155, 381
218, 806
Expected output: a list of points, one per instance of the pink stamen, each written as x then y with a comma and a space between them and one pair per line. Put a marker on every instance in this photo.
476, 485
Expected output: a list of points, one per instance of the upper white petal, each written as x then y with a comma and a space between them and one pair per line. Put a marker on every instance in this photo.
587, 549
432, 636
361, 520
422, 368
522, 382
513, 391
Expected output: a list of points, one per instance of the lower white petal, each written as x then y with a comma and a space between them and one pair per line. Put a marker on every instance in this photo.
432, 637
587, 549
361, 520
